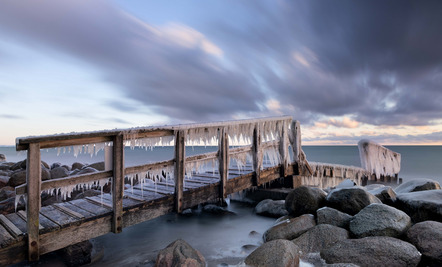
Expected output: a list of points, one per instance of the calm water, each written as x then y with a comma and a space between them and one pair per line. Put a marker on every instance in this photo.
221, 239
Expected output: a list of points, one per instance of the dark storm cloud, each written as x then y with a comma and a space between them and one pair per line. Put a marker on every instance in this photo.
176, 79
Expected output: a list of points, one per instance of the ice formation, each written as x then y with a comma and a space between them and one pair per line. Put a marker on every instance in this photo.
378, 159
241, 159
149, 142
318, 178
201, 166
91, 149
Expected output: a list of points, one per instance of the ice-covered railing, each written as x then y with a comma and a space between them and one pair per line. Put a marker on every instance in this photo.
262, 142
379, 160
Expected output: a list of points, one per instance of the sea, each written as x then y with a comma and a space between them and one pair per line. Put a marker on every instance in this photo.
224, 240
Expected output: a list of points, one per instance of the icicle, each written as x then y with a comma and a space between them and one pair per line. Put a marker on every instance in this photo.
378, 159
241, 159
200, 166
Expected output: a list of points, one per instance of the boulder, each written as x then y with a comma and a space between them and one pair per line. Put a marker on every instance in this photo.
271, 208
386, 194
66, 167
422, 205
379, 220
373, 186
427, 237
7, 206
77, 165
55, 165
304, 200
179, 253
290, 228
320, 237
59, 172
281, 253
350, 200
77, 254
86, 170
373, 251
4, 180
417, 185
334, 217
6, 166
215, 209
6, 192
97, 165
17, 178
2, 158
18, 165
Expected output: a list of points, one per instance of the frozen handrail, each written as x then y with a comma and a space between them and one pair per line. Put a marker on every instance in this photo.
379, 160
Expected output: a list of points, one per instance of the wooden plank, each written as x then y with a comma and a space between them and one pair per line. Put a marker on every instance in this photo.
118, 183
240, 183
180, 166
91, 206
68, 211
13, 253
157, 190
150, 210
148, 167
44, 224
223, 162
57, 216
12, 229
201, 195
145, 195
200, 157
257, 153
18, 221
86, 214
33, 181
127, 202
100, 201
6, 239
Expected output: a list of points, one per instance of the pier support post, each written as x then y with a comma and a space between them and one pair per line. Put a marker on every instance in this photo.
179, 172
223, 162
283, 149
33, 181
118, 183
295, 142
257, 154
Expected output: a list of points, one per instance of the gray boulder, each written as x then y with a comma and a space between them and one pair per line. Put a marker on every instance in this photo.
334, 217
271, 208
77, 165
2, 158
379, 220
179, 253
281, 253
422, 205
417, 185
386, 194
59, 172
17, 178
290, 228
373, 251
304, 200
373, 186
86, 170
78, 254
4, 180
427, 237
97, 165
55, 165
320, 237
350, 200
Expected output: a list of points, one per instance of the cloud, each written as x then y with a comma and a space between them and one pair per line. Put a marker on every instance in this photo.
11, 116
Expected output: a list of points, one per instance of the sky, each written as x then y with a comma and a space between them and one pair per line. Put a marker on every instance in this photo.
347, 70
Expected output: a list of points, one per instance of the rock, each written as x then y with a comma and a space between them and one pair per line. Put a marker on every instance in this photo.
334, 217
6, 192
45, 174
427, 237
271, 208
320, 237
55, 165
281, 253
422, 205
86, 170
59, 172
417, 185
303, 200
373, 186
179, 253
373, 251
346, 184
6, 166
385, 194
77, 165
7, 206
4, 180
66, 167
291, 228
97, 165
77, 254
17, 178
214, 209
2, 158
379, 220
18, 165
45, 165
350, 200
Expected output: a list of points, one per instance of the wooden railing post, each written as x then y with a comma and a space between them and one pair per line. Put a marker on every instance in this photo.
33, 181
223, 162
179, 172
118, 183
283, 148
295, 142
257, 154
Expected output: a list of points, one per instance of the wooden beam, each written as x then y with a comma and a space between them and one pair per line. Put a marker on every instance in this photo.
283, 147
179, 173
33, 181
295, 140
223, 162
150, 166
257, 153
118, 183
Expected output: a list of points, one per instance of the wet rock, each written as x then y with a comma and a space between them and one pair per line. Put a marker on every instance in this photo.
66, 167
278, 252
373, 251
59, 172
77, 165
283, 218
373, 186
97, 165
271, 208
417, 185
320, 237
86, 170
6, 166
304, 199
379, 220
334, 217
77, 254
422, 205
55, 165
4, 180
214, 209
7, 192
179, 253
7, 206
45, 165
17, 178
386, 194
350, 200
427, 237
291, 228
2, 158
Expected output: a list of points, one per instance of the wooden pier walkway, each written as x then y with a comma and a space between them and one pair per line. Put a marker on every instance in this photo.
25, 235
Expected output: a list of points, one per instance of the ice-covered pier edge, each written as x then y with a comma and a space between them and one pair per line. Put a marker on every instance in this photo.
379, 160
